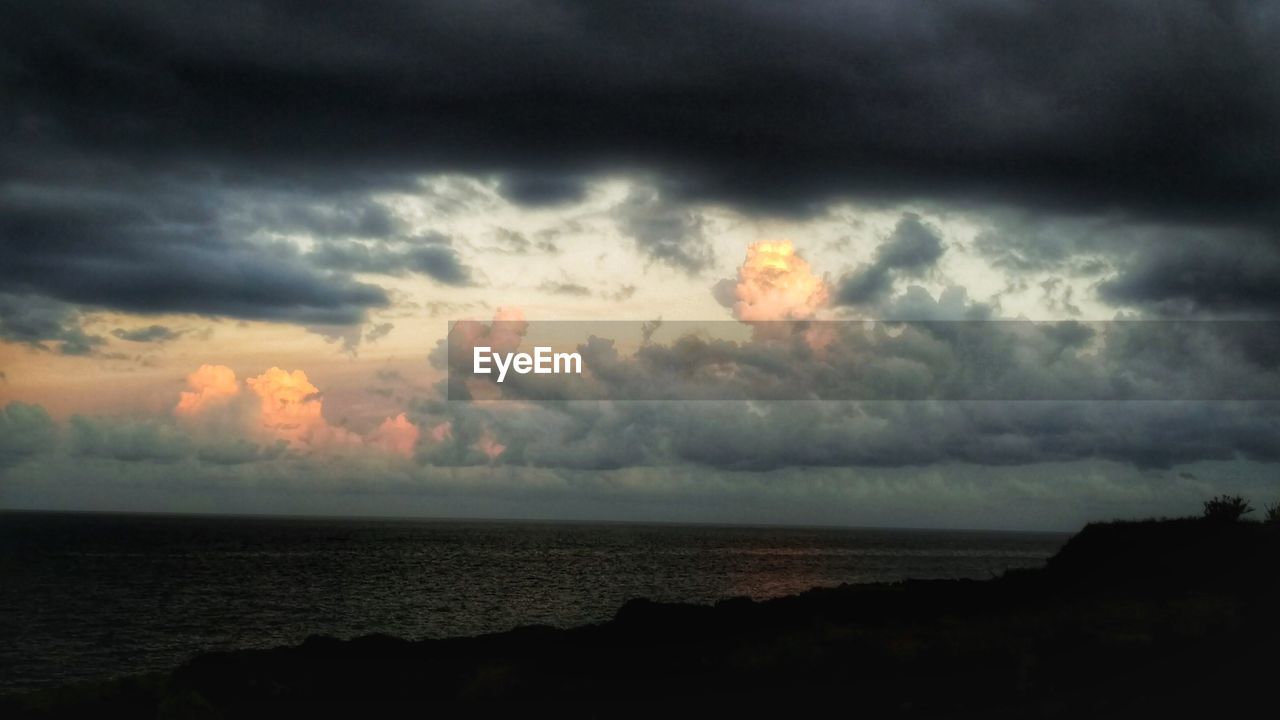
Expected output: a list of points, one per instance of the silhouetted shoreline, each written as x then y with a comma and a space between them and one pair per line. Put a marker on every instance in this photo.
1171, 617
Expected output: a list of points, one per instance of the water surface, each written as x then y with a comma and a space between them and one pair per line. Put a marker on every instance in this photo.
88, 596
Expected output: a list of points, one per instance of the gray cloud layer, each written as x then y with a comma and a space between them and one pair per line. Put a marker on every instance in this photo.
990, 393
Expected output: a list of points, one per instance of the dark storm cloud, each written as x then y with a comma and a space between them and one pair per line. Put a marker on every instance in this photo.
1214, 277
35, 320
146, 246
1162, 269
909, 251
1161, 107
542, 189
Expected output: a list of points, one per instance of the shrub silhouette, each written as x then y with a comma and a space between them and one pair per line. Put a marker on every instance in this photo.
1226, 508
1273, 513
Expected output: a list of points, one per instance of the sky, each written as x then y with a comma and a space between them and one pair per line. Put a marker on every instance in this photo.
233, 236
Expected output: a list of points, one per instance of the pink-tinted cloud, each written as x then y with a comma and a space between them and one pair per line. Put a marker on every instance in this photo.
441, 432
397, 435
489, 445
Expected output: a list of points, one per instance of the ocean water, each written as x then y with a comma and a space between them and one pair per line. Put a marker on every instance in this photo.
86, 596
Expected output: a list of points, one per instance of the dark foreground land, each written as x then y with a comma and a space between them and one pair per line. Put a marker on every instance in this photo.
1169, 618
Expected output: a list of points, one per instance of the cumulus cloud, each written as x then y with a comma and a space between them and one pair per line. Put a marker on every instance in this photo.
909, 251
285, 410
210, 386
775, 283
397, 435
291, 408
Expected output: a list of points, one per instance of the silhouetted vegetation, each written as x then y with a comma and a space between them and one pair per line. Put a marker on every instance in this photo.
1273, 513
1226, 508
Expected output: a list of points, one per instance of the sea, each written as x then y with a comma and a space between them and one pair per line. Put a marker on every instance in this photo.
92, 596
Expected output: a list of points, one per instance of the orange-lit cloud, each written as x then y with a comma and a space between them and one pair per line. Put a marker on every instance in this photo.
210, 385
289, 400
287, 406
774, 283
291, 409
